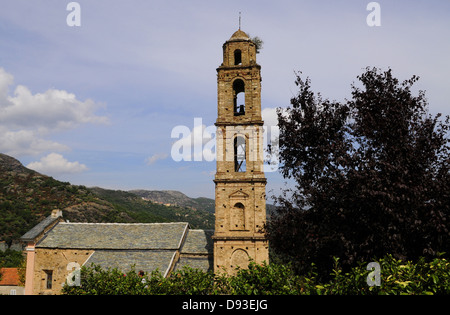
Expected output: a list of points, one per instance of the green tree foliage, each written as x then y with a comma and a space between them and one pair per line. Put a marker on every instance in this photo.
11, 258
371, 176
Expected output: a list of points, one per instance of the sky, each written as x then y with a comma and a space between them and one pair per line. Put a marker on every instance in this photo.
91, 94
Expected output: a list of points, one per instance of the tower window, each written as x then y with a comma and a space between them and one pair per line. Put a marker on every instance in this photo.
237, 57
239, 154
239, 97
238, 217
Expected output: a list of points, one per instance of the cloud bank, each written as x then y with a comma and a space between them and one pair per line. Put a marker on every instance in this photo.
27, 121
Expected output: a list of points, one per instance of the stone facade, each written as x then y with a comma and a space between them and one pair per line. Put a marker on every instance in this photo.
51, 268
240, 181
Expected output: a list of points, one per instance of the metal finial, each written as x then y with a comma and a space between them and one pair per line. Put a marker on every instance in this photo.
239, 20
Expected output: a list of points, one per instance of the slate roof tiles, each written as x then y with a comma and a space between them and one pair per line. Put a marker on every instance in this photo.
115, 236
146, 246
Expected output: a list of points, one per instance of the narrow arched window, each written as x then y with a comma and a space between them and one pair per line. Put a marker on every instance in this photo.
237, 57
238, 217
239, 97
239, 154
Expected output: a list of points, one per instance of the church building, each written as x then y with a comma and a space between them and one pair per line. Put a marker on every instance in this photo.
55, 248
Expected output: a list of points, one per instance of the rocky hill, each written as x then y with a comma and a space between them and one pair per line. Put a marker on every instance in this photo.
176, 198
26, 197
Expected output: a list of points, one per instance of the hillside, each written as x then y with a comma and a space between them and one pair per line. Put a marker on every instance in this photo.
26, 197
145, 210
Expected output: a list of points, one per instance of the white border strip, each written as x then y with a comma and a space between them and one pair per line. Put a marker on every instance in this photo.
170, 265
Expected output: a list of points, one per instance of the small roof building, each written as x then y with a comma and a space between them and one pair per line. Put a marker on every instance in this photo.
53, 252
10, 282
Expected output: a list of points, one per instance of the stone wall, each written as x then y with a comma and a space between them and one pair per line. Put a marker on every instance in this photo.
55, 262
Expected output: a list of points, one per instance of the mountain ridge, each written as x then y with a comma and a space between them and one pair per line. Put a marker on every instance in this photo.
177, 198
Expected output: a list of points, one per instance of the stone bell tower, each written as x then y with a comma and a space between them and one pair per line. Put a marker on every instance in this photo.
240, 183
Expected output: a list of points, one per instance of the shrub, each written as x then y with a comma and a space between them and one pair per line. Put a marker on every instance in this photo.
98, 281
188, 281
397, 278
265, 279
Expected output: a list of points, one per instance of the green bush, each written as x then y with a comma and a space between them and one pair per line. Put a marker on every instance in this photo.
98, 281
261, 280
397, 277
265, 279
188, 281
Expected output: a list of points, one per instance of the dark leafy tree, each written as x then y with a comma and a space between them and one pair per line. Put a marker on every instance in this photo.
371, 176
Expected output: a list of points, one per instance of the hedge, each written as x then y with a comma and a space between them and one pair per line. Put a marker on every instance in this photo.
397, 277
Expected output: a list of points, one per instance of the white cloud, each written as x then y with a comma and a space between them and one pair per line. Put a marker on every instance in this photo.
270, 117
155, 157
51, 110
26, 119
26, 142
56, 164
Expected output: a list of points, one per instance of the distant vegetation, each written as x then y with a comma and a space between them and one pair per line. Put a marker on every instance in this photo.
147, 211
26, 197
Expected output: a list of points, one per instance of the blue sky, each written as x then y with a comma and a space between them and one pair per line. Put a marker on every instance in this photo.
95, 105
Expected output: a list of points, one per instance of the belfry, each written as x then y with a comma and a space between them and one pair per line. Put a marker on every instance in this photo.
240, 183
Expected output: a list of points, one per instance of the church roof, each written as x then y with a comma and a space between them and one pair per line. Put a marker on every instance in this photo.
198, 242
239, 35
146, 246
124, 260
115, 236
40, 228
